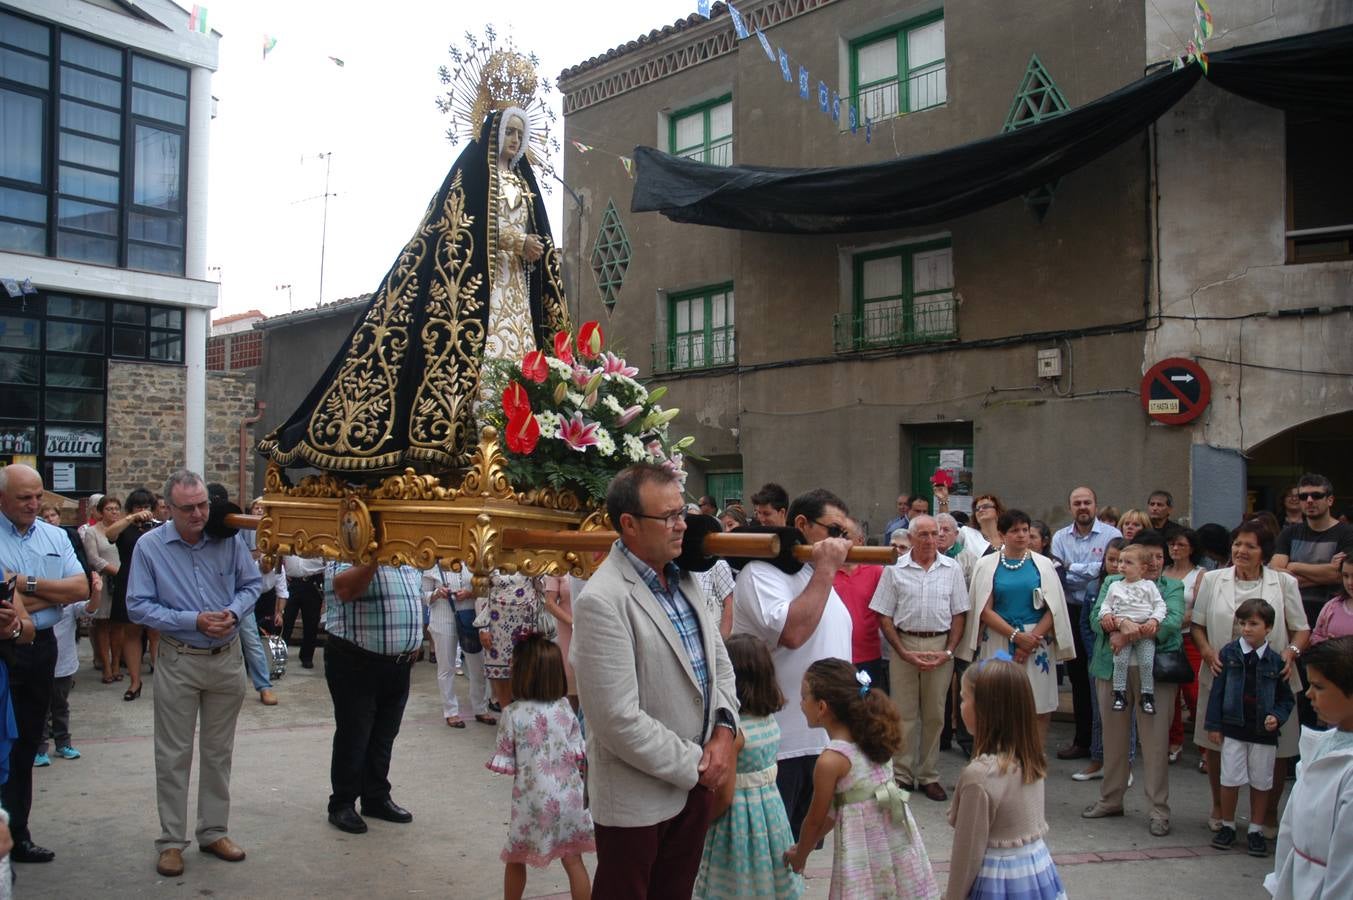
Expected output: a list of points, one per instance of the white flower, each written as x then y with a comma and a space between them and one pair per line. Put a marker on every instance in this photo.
640, 392
549, 423
575, 398
634, 448
560, 368
605, 443
612, 404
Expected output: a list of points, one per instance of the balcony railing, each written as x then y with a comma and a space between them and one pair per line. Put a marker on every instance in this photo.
688, 352
929, 320
884, 101
720, 153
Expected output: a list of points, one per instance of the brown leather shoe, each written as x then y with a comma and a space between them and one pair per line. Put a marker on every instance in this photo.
934, 792
1074, 751
170, 863
223, 848
267, 697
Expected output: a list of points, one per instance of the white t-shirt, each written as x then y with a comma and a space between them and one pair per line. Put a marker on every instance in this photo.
761, 601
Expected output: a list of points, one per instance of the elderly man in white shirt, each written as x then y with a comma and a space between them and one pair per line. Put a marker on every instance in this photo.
801, 619
922, 604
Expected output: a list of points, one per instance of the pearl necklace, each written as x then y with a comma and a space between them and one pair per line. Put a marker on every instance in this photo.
1016, 566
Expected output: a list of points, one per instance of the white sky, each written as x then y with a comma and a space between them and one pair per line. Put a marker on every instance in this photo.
378, 117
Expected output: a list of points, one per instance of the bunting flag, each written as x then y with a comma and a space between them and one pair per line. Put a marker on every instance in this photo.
854, 119
628, 164
836, 107
823, 102
336, 61
739, 26
12, 288
702, 7
803, 82
580, 146
1203, 16
1202, 59
765, 44
27, 287
197, 19
868, 129
784, 66
269, 42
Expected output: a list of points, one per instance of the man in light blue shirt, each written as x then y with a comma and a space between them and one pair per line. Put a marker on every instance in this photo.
195, 589
1080, 547
41, 560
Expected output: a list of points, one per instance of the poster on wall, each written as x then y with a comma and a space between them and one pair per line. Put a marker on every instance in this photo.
63, 476
64, 440
960, 495
15, 439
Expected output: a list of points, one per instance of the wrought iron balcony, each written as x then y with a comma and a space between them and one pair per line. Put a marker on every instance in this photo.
926, 320
691, 352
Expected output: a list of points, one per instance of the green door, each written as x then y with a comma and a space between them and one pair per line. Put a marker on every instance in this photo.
926, 459
724, 487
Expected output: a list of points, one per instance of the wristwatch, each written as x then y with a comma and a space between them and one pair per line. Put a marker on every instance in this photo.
30, 585
18, 630
1296, 651
725, 718
949, 653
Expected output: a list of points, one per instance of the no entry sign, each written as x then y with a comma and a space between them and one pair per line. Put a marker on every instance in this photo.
1175, 391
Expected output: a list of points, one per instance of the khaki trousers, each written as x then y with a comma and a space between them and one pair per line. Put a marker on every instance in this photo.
1152, 731
189, 686
920, 700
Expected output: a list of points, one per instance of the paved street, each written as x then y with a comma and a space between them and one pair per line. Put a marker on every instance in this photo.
98, 814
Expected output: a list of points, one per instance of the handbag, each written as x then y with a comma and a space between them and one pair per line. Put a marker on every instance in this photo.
545, 623
1172, 667
467, 635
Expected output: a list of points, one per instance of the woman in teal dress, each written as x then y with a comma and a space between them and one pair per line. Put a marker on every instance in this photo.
1018, 607
746, 844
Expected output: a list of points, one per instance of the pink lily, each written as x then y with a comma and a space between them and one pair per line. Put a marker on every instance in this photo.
578, 434
614, 365
628, 416
581, 376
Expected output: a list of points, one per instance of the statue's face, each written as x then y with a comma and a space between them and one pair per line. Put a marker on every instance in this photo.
513, 134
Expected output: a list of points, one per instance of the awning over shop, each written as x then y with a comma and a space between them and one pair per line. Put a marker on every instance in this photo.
1311, 73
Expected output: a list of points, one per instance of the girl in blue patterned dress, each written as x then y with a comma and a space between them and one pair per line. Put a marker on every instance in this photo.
541, 747
750, 833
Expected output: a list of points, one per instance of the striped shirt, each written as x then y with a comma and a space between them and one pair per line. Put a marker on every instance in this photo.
387, 618
680, 610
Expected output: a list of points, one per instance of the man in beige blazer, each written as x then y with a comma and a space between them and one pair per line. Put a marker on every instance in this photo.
657, 689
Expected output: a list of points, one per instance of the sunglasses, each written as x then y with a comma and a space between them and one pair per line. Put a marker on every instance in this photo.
835, 531
1312, 495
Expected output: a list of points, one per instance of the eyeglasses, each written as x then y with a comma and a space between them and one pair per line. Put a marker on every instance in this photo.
1312, 495
982, 507
835, 531
669, 519
189, 508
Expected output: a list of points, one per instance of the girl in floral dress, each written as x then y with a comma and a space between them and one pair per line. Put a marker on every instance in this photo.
541, 746
750, 833
879, 853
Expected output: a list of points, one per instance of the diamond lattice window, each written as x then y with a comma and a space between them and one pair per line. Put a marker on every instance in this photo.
610, 256
1037, 100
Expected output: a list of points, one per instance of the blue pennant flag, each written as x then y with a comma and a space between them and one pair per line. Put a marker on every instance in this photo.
868, 129
803, 82
739, 26
784, 66
822, 98
702, 7
26, 286
765, 44
854, 119
836, 107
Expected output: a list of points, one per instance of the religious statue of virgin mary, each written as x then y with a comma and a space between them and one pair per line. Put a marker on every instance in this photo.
479, 279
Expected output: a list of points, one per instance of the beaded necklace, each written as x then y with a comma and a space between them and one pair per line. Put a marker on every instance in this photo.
1013, 567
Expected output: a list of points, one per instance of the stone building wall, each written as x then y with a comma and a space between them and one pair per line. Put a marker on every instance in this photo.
145, 426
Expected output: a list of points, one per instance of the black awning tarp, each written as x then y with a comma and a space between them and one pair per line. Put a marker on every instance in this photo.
1310, 73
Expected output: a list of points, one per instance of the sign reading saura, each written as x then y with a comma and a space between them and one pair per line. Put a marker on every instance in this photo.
63, 440
1175, 391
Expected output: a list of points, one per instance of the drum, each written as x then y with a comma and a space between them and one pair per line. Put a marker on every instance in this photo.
277, 656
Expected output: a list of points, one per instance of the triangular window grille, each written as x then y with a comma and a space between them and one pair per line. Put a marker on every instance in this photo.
610, 256
1037, 100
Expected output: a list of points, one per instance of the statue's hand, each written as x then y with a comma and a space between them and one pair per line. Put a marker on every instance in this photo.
532, 248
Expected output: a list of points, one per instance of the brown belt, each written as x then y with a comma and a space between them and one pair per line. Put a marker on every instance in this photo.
925, 634
197, 651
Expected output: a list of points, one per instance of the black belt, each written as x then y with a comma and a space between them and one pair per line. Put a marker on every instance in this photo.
925, 634
317, 579
349, 646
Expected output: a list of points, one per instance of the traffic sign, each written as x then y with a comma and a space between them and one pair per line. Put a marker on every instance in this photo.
1175, 391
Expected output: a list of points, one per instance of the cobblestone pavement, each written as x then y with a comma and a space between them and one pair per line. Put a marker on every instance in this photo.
98, 814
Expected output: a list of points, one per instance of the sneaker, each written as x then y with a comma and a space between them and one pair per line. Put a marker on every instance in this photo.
67, 753
1258, 844
1119, 701
1225, 838
42, 759
1149, 704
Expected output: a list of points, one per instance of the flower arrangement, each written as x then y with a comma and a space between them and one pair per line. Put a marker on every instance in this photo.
574, 420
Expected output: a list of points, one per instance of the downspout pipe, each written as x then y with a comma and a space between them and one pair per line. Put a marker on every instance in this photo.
259, 407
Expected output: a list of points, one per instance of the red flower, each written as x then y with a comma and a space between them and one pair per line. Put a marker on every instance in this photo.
534, 367
522, 434
515, 402
562, 346
589, 340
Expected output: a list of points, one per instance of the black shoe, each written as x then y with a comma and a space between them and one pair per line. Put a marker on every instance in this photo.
1119, 701
307, 664
1149, 704
1224, 839
29, 852
386, 809
1258, 845
346, 819
494, 707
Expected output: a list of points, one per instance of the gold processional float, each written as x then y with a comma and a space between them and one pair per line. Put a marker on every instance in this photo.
414, 444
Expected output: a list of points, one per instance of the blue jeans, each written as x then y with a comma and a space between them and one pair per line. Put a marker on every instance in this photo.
1097, 728
255, 660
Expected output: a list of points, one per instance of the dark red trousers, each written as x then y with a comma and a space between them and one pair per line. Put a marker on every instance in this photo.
654, 862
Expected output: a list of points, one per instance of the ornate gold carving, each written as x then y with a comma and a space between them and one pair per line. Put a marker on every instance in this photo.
411, 486
355, 531
323, 485
481, 548
487, 477
274, 482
